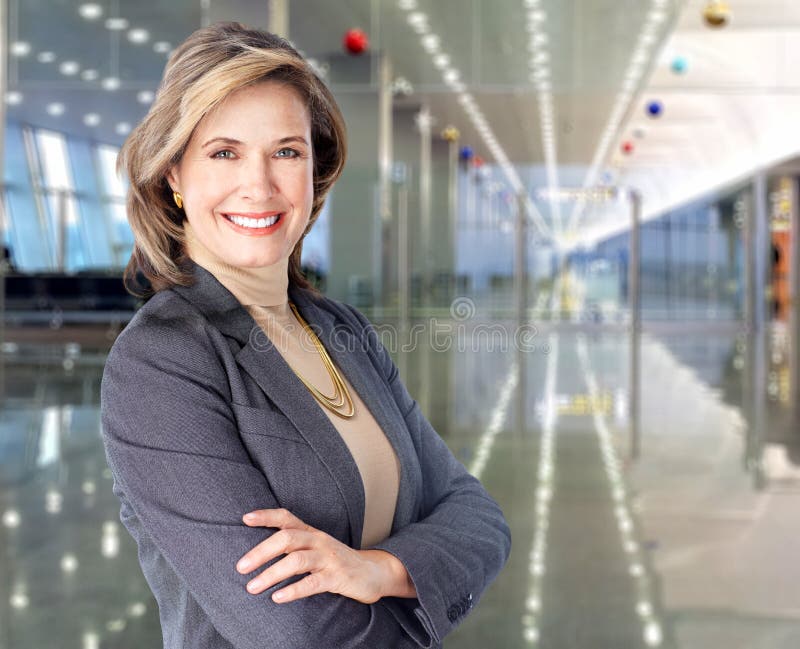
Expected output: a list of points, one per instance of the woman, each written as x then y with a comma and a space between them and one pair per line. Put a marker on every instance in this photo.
216, 398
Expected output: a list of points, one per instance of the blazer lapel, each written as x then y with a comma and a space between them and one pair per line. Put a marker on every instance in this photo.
267, 367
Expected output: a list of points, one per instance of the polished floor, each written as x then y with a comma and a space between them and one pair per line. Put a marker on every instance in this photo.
680, 534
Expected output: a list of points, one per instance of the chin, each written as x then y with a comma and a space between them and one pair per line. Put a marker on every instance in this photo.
256, 261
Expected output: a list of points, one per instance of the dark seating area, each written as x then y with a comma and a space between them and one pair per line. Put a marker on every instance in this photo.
49, 292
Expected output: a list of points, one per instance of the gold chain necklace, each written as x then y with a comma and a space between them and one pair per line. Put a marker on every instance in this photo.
341, 395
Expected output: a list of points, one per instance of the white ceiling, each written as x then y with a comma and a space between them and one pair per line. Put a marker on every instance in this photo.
733, 110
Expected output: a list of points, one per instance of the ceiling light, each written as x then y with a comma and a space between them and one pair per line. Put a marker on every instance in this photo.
407, 5
539, 39
69, 68
20, 48
450, 75
45, 57
138, 36
145, 97
537, 16
540, 57
162, 47
90, 11
441, 61
123, 128
13, 97
55, 109
417, 19
116, 24
91, 119
430, 42
89, 75
110, 83
531, 4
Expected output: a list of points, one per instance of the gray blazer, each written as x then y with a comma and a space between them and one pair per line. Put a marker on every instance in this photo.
203, 421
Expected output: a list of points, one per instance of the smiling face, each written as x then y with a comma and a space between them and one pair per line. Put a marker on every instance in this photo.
247, 174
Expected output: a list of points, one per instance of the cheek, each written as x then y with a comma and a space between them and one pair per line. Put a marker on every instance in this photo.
209, 186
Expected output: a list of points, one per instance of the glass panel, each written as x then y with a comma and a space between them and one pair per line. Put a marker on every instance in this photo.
113, 184
54, 161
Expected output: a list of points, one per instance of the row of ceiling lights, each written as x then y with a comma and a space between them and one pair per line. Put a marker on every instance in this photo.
642, 55
540, 76
90, 12
431, 42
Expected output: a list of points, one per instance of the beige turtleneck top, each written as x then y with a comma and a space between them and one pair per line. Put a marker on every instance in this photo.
263, 291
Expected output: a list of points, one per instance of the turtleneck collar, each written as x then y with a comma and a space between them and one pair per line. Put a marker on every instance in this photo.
263, 286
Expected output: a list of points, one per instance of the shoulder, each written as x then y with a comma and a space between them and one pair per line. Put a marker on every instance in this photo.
342, 312
349, 319
166, 328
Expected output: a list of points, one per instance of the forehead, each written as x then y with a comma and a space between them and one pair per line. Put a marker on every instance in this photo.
266, 105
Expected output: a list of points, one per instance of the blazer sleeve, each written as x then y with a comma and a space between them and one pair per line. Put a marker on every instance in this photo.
461, 541
173, 447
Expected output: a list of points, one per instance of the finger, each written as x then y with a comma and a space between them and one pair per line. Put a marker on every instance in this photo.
281, 542
311, 585
282, 518
292, 564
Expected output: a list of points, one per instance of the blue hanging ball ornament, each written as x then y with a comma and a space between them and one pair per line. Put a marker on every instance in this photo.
465, 154
679, 65
655, 109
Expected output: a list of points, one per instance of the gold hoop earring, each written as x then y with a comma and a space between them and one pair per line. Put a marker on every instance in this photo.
178, 199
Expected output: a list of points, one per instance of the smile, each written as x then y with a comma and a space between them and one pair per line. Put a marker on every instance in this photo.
253, 222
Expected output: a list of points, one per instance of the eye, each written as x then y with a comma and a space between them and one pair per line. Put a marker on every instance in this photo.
220, 154
294, 152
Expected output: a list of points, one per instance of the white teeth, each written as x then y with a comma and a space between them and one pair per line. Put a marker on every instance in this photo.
254, 223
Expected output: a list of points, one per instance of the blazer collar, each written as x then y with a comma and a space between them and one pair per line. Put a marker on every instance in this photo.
266, 365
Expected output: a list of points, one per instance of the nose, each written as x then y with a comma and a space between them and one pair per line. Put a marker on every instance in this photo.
257, 181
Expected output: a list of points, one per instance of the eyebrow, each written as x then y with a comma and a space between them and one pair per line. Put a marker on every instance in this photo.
230, 140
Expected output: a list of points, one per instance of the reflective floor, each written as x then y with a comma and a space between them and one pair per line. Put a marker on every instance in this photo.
680, 535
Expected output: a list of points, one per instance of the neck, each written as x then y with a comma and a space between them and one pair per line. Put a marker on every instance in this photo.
261, 285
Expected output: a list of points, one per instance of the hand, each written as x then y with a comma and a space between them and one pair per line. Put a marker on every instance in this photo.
362, 575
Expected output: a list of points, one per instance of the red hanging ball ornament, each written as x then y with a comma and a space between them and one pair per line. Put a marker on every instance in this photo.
355, 41
477, 161
627, 147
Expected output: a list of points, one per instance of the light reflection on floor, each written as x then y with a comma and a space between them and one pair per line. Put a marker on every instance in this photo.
682, 547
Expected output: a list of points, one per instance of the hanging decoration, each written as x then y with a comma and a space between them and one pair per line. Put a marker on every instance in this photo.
465, 154
717, 14
355, 41
655, 109
679, 65
450, 133
627, 147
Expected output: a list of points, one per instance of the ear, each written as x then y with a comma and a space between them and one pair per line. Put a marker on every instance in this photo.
172, 179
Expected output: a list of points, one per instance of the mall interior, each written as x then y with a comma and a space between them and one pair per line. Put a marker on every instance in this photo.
574, 224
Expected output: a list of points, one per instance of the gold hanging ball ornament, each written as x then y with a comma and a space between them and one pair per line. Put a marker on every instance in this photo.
178, 199
717, 13
451, 134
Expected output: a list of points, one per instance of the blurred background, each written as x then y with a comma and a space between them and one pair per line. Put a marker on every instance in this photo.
592, 203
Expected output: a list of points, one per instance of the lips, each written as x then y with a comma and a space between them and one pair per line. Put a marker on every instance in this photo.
252, 215
253, 218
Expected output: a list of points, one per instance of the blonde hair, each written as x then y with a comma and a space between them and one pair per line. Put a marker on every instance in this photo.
201, 73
